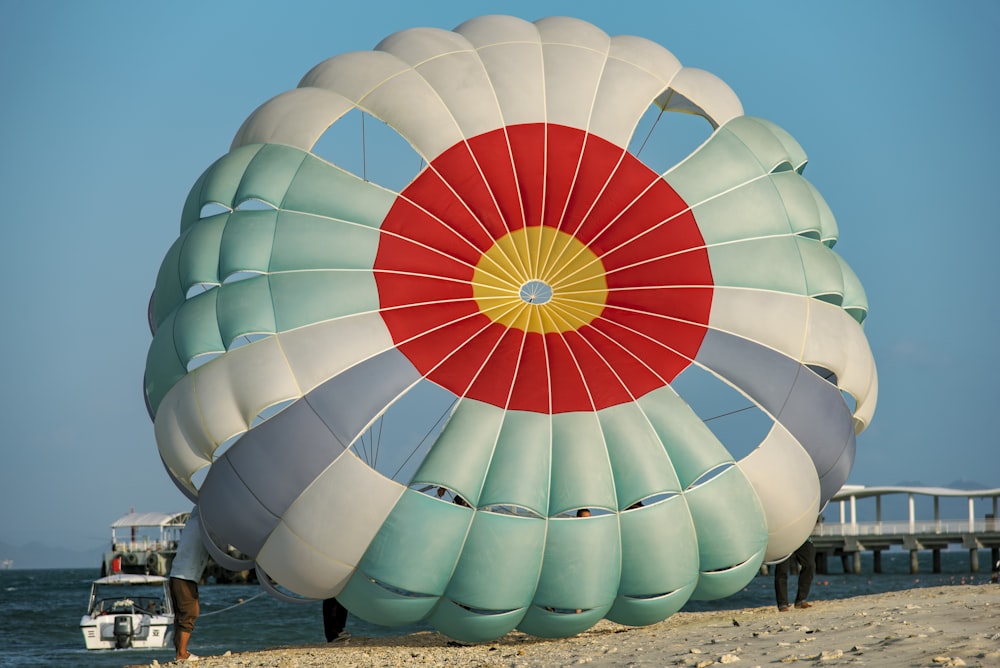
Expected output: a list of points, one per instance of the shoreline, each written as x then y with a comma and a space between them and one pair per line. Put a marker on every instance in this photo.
953, 625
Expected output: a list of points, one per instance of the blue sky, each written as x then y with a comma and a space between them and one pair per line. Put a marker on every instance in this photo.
111, 110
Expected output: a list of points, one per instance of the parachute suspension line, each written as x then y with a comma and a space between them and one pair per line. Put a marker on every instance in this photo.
377, 440
235, 605
650, 133
720, 415
364, 150
368, 447
421, 441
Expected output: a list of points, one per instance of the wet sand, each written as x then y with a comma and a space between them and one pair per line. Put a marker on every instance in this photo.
936, 626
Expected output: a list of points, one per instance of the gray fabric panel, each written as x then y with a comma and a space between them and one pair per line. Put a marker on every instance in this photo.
811, 408
231, 510
767, 376
817, 415
282, 456
348, 402
831, 481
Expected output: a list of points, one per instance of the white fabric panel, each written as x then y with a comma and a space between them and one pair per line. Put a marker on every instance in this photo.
183, 445
571, 78
624, 94
389, 89
310, 528
774, 319
645, 55
234, 388
832, 331
706, 94
866, 405
354, 74
320, 351
450, 65
808, 330
572, 74
515, 71
297, 117
783, 475
299, 567
462, 83
637, 71
409, 104
510, 50
497, 29
568, 30
180, 414
416, 45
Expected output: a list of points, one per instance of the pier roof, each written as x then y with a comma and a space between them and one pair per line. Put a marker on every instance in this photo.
149, 520
861, 491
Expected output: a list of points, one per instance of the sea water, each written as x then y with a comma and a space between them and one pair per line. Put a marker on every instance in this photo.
40, 610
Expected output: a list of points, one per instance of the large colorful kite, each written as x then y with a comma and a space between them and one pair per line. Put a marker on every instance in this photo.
456, 402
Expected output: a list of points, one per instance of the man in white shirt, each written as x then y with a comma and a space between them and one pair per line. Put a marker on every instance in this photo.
185, 574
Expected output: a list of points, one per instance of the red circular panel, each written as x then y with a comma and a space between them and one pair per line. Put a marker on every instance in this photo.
657, 271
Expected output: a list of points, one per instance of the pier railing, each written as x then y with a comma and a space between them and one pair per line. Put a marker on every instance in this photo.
907, 528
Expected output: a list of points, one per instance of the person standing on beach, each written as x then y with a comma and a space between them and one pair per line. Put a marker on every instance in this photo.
334, 620
185, 574
805, 556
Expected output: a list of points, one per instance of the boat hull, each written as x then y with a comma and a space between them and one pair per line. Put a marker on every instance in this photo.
127, 631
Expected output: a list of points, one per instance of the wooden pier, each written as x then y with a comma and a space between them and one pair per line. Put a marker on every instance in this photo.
848, 538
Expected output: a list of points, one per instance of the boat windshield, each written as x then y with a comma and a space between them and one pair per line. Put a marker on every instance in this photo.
129, 600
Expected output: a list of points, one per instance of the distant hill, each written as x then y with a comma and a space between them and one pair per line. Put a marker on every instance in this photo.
36, 555
957, 484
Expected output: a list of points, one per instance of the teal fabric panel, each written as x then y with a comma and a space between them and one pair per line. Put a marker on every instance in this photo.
500, 562
199, 260
196, 328
304, 241
659, 549
325, 190
752, 210
855, 300
720, 164
720, 584
246, 242
800, 204
829, 231
519, 471
461, 454
417, 547
245, 307
218, 183
376, 604
304, 298
765, 264
581, 563
729, 520
645, 611
269, 174
774, 148
169, 291
467, 625
560, 623
163, 367
795, 154
692, 447
581, 470
640, 465
824, 278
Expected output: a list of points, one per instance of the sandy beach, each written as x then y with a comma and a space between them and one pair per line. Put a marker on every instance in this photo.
936, 626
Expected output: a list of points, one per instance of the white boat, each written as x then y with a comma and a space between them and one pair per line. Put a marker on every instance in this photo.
128, 610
